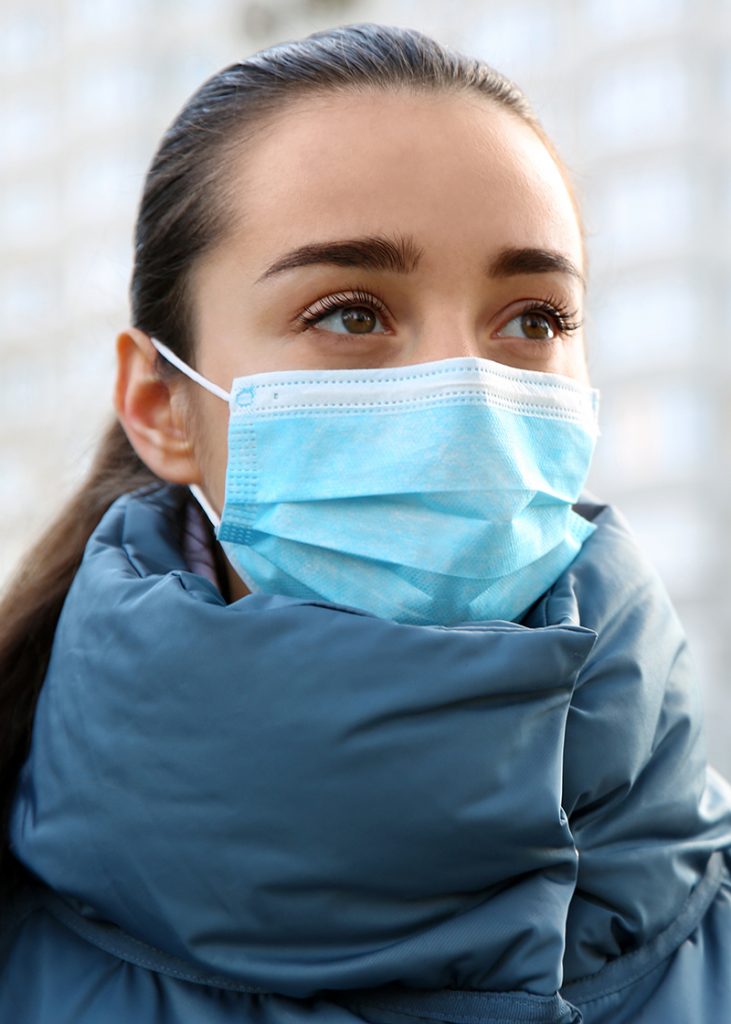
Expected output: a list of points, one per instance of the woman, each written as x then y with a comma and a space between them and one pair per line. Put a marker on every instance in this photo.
411, 735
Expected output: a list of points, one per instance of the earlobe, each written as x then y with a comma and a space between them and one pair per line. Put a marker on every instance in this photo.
151, 412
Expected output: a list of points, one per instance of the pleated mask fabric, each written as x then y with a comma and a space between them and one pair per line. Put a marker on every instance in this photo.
431, 494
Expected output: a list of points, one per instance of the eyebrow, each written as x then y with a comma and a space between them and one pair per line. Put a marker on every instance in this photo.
402, 255
374, 252
511, 262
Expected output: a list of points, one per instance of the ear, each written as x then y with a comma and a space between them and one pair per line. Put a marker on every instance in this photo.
151, 411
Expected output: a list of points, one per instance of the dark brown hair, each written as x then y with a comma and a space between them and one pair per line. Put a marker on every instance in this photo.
182, 214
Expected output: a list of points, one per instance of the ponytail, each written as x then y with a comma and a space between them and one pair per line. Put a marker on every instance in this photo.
31, 605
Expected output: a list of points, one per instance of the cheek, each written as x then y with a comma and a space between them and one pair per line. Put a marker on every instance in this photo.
578, 366
211, 447
570, 360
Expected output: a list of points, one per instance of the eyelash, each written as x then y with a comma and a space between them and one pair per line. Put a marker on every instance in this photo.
340, 300
565, 318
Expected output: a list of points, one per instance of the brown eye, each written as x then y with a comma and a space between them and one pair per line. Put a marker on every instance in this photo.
348, 319
359, 320
536, 327
532, 325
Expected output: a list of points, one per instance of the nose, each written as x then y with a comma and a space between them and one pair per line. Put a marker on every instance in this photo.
445, 332
445, 343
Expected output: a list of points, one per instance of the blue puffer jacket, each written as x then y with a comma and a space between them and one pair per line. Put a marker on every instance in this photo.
278, 811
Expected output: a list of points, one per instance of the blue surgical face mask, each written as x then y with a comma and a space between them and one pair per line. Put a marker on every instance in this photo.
435, 493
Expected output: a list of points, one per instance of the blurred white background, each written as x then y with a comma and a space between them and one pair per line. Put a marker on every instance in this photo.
637, 96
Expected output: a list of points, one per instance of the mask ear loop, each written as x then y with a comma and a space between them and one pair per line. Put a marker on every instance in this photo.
178, 363
205, 504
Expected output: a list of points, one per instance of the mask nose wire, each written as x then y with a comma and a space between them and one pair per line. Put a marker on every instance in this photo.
178, 363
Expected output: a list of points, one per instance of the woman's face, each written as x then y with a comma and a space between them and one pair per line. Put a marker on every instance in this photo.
379, 229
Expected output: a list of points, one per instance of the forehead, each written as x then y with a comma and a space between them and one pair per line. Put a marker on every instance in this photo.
453, 169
